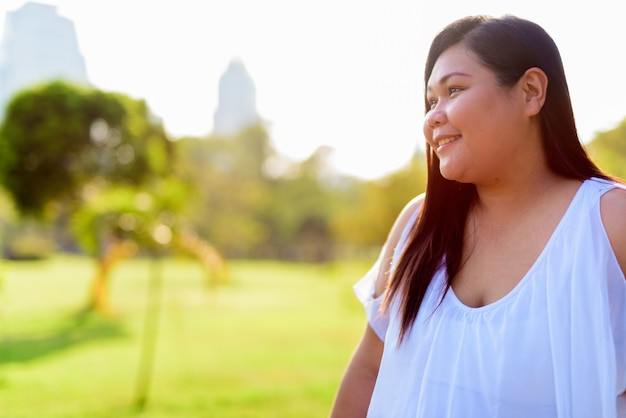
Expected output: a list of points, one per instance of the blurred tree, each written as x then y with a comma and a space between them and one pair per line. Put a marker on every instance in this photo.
252, 202
8, 215
372, 206
298, 215
128, 219
99, 157
229, 188
56, 138
608, 150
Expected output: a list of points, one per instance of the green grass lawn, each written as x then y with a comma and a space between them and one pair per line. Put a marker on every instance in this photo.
271, 342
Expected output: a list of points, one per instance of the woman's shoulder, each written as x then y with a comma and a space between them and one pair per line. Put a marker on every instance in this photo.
613, 212
409, 211
396, 233
407, 216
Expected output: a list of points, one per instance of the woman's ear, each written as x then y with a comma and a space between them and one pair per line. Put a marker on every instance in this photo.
534, 83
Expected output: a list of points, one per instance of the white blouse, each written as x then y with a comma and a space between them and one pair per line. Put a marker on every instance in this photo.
555, 346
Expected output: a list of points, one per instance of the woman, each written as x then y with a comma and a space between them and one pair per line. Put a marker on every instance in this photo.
501, 291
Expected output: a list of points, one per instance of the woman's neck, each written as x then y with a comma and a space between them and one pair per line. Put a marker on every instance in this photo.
506, 200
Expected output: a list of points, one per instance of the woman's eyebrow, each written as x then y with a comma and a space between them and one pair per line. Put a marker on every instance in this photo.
445, 78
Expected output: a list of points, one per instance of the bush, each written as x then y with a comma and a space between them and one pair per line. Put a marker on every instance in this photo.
29, 247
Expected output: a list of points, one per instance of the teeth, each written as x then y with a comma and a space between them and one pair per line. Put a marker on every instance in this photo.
447, 140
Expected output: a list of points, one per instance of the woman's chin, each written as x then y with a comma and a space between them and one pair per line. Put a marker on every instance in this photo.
450, 173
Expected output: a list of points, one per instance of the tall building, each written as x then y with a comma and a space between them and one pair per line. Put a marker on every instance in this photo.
236, 107
38, 45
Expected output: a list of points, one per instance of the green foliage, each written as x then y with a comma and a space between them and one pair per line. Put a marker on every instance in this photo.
32, 245
7, 208
69, 150
57, 137
250, 202
299, 213
146, 216
225, 176
608, 150
371, 207
247, 209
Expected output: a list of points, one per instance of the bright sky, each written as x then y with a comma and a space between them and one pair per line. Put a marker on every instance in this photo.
342, 73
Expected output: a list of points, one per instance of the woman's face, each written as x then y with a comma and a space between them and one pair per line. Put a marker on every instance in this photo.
474, 125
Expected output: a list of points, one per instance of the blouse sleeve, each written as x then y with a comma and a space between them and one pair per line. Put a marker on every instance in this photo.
364, 290
366, 286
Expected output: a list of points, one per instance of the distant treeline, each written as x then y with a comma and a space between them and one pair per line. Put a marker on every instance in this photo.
236, 193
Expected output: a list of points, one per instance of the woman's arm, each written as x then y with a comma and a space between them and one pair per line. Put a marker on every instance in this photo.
357, 385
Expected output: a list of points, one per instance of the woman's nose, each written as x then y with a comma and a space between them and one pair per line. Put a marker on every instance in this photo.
435, 117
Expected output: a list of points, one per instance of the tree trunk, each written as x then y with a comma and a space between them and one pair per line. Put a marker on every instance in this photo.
115, 252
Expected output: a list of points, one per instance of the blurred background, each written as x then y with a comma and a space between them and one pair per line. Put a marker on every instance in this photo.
190, 189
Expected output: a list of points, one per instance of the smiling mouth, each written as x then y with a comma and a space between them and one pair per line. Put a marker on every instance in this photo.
447, 140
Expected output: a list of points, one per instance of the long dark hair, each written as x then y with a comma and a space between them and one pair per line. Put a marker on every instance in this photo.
508, 46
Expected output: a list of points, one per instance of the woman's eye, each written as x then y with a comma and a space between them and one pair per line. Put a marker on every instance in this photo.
432, 103
453, 90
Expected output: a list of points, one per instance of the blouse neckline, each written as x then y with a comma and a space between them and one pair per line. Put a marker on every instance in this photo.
528, 275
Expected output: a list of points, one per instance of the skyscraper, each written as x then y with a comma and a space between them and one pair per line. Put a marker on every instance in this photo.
38, 45
236, 108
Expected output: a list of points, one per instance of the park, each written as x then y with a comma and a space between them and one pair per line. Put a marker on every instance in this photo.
159, 276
